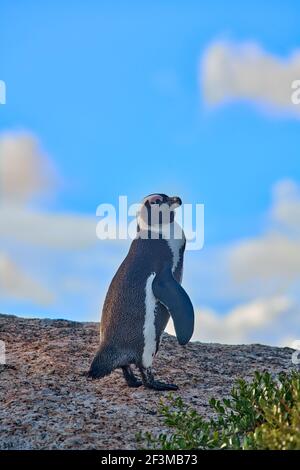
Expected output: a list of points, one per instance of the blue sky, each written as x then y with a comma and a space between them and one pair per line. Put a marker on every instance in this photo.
113, 92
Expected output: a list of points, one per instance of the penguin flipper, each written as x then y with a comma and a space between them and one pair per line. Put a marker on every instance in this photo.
170, 293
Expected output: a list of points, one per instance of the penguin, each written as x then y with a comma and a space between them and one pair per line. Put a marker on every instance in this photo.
145, 291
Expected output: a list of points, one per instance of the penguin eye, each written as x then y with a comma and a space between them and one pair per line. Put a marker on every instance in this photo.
157, 201
154, 199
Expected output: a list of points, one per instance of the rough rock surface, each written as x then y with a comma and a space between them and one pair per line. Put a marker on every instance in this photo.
46, 402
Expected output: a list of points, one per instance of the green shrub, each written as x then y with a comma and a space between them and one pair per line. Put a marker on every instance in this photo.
261, 414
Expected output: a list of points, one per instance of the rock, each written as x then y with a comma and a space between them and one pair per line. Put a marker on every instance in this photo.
46, 401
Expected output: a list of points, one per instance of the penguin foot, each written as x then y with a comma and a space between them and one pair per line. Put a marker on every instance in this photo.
149, 382
135, 384
130, 378
157, 385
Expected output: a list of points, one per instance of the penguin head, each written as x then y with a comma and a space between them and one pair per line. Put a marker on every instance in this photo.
157, 210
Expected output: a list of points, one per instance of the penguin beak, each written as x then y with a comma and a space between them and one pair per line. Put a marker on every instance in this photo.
174, 201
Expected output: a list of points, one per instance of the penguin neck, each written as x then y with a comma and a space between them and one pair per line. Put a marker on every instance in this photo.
165, 231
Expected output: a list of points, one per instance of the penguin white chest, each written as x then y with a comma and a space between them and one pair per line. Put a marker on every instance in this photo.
149, 324
175, 247
175, 243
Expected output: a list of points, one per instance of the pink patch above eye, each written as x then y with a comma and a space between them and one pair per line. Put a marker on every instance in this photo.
155, 198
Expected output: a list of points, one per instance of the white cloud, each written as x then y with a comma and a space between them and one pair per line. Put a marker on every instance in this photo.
26, 173
269, 264
286, 206
260, 275
247, 323
18, 284
245, 71
271, 257
52, 230
274, 256
25, 170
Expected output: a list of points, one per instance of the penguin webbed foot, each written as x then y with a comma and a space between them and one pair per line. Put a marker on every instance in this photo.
150, 382
161, 386
131, 379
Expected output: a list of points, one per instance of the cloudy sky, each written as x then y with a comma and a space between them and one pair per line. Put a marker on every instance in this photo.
128, 98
